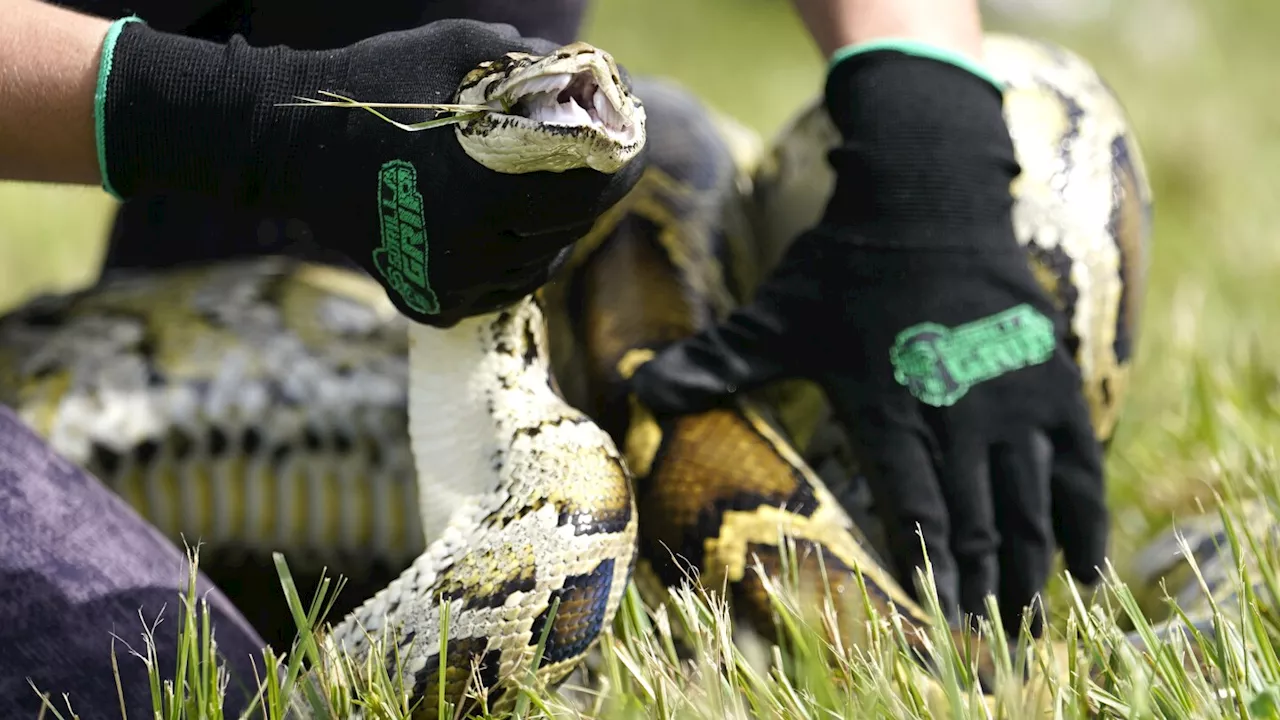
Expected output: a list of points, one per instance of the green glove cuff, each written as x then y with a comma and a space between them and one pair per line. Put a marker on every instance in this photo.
100, 98
919, 49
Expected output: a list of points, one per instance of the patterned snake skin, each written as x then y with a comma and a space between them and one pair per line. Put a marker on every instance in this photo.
272, 404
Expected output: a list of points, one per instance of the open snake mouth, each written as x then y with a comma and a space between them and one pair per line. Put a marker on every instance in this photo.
548, 109
571, 100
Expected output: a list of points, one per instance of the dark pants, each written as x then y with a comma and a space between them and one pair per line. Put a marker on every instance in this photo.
77, 565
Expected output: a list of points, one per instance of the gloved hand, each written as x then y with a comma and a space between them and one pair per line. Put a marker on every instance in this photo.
913, 306
180, 114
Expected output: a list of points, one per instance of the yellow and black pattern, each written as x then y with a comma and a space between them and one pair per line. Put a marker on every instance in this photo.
279, 404
248, 404
525, 502
716, 491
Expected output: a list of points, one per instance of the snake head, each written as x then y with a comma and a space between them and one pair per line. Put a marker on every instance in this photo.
566, 110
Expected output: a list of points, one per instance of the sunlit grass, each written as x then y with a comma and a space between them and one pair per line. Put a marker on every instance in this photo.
682, 659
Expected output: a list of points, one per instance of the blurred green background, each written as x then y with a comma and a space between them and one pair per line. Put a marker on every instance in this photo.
1199, 80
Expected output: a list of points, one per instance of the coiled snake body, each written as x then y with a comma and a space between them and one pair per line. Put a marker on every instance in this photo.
272, 404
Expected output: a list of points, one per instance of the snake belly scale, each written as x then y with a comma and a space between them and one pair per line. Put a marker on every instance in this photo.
545, 513
299, 413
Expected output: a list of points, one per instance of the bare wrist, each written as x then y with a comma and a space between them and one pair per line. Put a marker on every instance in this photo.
953, 25
46, 106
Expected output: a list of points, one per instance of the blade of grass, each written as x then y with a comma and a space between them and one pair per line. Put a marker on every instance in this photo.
466, 113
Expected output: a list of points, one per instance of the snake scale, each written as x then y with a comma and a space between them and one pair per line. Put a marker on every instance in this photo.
271, 403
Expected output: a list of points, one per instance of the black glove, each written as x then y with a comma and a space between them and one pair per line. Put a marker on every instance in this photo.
179, 114
912, 304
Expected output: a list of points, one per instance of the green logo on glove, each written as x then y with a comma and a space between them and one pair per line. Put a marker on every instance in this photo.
402, 259
939, 364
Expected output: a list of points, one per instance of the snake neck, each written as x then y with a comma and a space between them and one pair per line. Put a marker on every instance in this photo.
471, 388
517, 489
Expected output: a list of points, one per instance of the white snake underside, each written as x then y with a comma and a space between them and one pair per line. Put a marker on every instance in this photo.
554, 518
276, 405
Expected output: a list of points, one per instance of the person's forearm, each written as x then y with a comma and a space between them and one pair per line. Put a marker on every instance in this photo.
951, 24
48, 75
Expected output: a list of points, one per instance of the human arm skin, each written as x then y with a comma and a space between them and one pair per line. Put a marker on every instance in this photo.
48, 75
49, 67
951, 24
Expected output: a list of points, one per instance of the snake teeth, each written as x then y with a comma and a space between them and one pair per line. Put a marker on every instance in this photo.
569, 109
573, 100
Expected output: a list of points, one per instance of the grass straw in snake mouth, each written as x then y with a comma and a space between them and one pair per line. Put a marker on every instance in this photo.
579, 91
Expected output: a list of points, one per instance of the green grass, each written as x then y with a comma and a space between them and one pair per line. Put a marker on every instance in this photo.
1197, 78
682, 660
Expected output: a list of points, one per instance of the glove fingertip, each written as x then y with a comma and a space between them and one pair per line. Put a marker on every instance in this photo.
1083, 533
1080, 516
1087, 572
658, 388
